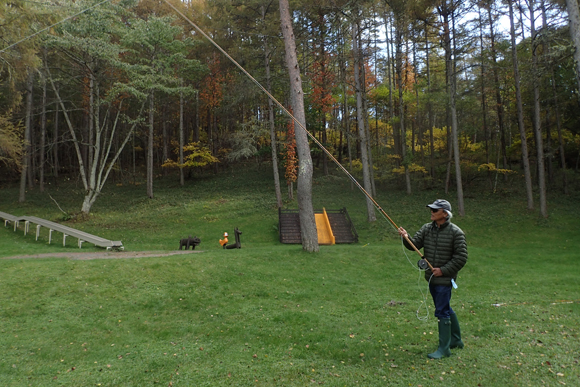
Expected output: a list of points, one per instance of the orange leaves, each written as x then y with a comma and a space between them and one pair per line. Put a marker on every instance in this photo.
322, 84
212, 90
291, 173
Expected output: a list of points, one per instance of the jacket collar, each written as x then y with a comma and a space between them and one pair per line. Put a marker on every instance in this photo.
434, 225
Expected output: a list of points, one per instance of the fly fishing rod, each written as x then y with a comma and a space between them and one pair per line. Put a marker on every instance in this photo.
310, 135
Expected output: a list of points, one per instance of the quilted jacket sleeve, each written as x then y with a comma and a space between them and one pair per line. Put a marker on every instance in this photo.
417, 239
459, 255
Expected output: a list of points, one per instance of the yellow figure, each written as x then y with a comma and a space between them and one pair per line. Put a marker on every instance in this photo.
224, 241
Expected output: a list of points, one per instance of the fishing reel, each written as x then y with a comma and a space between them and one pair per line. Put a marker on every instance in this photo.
423, 264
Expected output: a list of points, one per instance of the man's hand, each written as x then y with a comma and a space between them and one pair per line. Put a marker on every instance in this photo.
403, 232
437, 272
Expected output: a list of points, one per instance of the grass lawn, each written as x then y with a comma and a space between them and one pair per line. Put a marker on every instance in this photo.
270, 314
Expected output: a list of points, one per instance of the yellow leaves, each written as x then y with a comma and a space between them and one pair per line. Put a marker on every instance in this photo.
356, 165
197, 156
490, 167
412, 168
11, 146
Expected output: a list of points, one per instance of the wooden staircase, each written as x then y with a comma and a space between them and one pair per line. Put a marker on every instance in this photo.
342, 227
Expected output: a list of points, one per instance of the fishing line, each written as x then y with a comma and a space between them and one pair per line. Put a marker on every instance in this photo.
423, 303
280, 105
315, 140
55, 24
310, 135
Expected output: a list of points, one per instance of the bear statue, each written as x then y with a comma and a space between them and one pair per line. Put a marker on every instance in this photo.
187, 242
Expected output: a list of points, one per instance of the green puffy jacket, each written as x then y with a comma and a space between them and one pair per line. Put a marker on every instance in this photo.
444, 247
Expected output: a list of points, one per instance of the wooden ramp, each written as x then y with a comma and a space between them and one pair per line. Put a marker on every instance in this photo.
81, 236
339, 226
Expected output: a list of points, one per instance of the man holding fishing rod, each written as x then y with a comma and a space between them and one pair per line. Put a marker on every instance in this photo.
445, 253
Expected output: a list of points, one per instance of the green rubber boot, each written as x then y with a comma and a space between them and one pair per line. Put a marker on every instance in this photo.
455, 333
444, 340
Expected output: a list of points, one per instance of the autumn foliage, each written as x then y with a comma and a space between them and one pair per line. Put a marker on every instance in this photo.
195, 155
322, 84
212, 90
291, 173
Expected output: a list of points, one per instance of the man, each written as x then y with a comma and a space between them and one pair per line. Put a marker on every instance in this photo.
445, 249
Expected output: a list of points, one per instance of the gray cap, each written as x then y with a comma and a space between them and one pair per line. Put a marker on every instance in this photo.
440, 204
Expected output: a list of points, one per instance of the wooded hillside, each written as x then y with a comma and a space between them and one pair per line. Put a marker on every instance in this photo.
459, 94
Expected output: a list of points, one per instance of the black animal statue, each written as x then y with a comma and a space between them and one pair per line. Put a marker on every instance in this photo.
236, 245
187, 242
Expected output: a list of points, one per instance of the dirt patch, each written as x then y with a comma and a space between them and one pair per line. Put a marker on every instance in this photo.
106, 255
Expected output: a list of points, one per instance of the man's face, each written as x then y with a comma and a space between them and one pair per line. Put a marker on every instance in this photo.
438, 216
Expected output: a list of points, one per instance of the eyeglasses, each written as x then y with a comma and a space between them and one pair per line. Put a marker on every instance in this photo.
435, 210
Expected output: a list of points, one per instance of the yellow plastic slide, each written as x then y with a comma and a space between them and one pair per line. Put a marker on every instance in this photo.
325, 235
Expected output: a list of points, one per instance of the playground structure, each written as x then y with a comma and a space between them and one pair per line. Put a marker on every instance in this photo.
333, 226
81, 236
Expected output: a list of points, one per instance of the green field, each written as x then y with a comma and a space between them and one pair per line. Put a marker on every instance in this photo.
270, 314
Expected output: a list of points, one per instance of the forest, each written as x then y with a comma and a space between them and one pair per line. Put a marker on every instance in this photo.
404, 94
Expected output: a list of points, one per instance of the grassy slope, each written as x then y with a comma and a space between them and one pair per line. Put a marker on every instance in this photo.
270, 314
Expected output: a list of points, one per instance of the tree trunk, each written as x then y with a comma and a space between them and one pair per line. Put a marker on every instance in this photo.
196, 128
429, 107
272, 123
27, 131
574, 23
367, 126
483, 99
306, 212
165, 139
150, 146
325, 86
561, 149
549, 155
418, 121
90, 158
498, 101
42, 137
403, 134
371, 217
181, 139
55, 144
520, 109
215, 142
536, 118
450, 67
